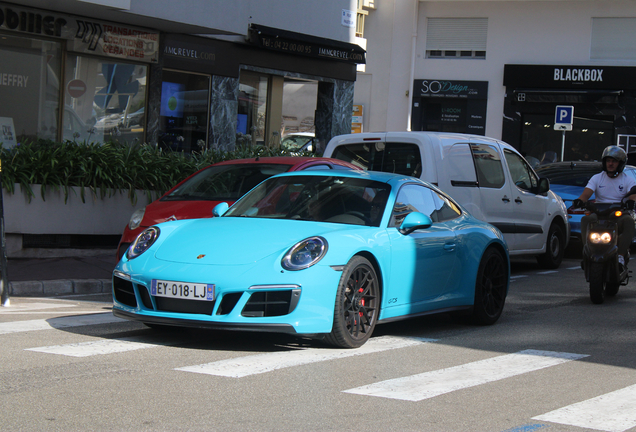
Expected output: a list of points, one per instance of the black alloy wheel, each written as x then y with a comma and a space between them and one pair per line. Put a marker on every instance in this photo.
490, 288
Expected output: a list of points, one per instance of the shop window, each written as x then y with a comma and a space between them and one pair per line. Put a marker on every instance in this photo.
104, 100
299, 107
29, 88
252, 109
461, 38
185, 101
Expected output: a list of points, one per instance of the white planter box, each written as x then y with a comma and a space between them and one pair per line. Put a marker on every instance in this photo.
96, 216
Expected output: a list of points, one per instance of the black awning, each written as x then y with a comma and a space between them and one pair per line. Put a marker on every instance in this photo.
305, 45
566, 96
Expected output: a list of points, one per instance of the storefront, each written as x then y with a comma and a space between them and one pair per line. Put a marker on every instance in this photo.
69, 78
214, 93
449, 106
604, 101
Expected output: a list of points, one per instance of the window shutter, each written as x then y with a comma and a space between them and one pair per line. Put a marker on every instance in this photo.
613, 39
461, 34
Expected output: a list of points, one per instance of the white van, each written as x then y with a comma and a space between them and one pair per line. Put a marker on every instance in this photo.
488, 177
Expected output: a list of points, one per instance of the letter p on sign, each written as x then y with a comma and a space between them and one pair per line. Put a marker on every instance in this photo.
564, 115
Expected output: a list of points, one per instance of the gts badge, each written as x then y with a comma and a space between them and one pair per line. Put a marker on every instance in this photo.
200, 256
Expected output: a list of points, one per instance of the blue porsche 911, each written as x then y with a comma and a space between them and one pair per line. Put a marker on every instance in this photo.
321, 254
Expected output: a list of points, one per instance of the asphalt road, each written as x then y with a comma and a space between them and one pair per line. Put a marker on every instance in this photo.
553, 362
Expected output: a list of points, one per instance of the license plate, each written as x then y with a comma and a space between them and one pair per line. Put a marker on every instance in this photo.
182, 290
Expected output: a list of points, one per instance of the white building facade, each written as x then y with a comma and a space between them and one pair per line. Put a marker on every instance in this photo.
500, 69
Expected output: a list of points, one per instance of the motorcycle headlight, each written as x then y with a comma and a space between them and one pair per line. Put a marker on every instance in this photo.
136, 218
304, 254
597, 237
143, 242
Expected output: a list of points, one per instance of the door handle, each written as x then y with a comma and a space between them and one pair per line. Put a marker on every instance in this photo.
518, 200
449, 247
505, 199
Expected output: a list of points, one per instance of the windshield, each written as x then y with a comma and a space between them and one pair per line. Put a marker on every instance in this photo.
295, 142
316, 198
224, 182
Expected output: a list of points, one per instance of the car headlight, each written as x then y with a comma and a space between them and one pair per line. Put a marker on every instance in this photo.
596, 237
136, 218
143, 242
304, 254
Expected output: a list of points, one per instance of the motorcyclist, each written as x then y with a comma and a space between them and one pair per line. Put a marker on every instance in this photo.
610, 186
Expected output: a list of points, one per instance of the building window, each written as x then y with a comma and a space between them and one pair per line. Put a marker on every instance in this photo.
29, 89
252, 109
613, 39
460, 38
184, 111
104, 100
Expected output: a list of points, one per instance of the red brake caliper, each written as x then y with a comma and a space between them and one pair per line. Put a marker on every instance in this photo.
361, 301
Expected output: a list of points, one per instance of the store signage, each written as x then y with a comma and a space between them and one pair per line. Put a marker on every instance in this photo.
451, 89
86, 36
569, 77
189, 51
310, 46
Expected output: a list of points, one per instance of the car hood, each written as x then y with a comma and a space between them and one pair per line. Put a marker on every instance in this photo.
163, 211
238, 240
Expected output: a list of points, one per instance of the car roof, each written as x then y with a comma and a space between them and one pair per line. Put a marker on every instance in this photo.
383, 177
286, 160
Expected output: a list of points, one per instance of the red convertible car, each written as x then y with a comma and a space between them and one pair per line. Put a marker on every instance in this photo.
196, 196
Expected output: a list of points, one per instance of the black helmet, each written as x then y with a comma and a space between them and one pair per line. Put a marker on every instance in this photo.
615, 152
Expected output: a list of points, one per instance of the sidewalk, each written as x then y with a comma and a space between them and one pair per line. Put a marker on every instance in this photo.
61, 276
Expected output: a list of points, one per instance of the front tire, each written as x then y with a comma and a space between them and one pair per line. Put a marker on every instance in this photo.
597, 283
357, 305
554, 248
490, 288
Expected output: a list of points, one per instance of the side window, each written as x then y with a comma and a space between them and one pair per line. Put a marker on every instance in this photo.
522, 175
458, 163
424, 200
401, 158
367, 156
490, 172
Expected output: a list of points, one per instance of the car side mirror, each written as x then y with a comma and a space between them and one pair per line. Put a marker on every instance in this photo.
544, 186
220, 209
414, 221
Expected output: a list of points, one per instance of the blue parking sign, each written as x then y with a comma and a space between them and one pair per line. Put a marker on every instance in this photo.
563, 114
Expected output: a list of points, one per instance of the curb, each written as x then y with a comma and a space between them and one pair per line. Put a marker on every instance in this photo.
59, 287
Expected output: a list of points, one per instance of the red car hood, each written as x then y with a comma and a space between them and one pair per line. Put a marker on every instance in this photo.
163, 211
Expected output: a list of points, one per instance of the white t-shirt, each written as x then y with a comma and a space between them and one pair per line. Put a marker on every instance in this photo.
608, 189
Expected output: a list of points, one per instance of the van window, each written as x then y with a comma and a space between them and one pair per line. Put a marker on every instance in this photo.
490, 173
459, 165
399, 158
424, 200
522, 175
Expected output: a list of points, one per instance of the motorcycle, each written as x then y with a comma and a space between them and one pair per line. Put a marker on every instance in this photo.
600, 252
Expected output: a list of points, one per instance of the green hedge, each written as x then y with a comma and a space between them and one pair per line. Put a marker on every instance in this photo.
108, 168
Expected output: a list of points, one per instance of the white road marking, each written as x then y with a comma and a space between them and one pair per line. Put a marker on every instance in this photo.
32, 306
261, 363
61, 322
430, 384
574, 268
611, 412
98, 347
518, 276
548, 272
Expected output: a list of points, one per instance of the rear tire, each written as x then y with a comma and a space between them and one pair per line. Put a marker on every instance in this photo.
597, 283
554, 248
357, 305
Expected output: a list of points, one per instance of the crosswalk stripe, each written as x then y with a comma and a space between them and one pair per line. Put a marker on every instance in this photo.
261, 363
99, 347
430, 384
611, 412
61, 322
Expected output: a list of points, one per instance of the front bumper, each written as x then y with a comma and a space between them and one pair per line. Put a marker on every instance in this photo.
290, 302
